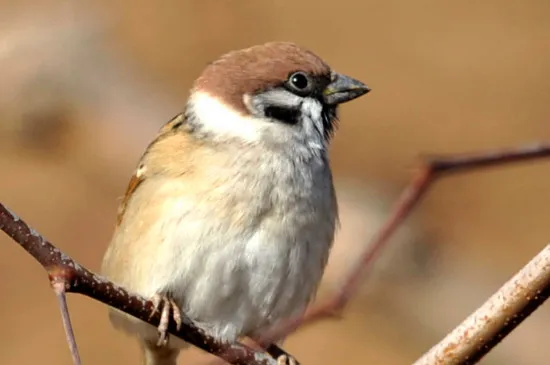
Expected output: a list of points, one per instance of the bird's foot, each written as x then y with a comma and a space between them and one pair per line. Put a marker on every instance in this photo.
168, 309
286, 360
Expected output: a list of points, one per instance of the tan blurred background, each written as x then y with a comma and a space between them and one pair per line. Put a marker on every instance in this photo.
84, 86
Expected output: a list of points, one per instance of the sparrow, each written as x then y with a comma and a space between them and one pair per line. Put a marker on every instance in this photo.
231, 213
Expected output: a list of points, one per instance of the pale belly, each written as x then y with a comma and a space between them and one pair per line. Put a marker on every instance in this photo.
239, 280
236, 260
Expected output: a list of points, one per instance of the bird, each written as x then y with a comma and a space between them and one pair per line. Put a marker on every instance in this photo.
231, 213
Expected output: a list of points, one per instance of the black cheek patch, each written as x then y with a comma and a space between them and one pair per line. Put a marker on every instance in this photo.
284, 115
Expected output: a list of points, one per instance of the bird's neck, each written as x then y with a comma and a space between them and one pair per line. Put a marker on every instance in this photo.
209, 117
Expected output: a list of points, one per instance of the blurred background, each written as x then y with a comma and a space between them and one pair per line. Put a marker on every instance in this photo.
85, 85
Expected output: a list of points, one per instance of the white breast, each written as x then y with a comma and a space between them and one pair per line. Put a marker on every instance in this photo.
249, 249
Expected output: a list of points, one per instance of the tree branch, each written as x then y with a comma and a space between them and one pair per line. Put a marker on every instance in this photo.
497, 317
60, 293
432, 169
77, 279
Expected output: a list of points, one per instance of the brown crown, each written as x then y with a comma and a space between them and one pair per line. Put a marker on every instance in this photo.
256, 68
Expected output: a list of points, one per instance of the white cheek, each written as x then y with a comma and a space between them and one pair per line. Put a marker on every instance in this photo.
222, 121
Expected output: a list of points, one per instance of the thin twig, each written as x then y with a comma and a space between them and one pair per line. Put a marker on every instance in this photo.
497, 317
77, 279
430, 171
59, 290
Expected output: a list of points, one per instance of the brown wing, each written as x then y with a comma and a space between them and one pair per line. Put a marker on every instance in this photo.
172, 125
139, 175
135, 181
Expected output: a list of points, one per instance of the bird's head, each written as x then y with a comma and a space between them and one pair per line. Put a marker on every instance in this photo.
271, 93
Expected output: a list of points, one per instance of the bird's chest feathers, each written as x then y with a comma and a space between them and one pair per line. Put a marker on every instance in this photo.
278, 194
256, 201
252, 242
275, 196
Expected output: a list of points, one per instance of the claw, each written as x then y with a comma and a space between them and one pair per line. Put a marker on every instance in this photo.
286, 360
167, 304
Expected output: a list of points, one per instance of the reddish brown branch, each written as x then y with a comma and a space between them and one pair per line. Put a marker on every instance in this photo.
63, 269
80, 280
432, 169
60, 293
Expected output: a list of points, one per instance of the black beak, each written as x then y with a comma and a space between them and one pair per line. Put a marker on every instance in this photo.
342, 89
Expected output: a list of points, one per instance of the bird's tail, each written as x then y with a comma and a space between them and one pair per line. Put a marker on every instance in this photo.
155, 355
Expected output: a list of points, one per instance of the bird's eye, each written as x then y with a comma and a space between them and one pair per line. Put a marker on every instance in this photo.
299, 82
